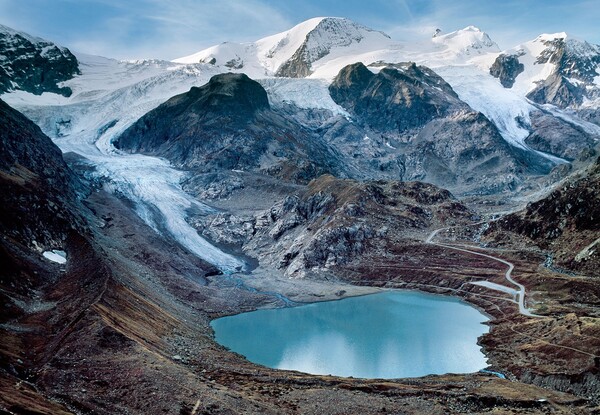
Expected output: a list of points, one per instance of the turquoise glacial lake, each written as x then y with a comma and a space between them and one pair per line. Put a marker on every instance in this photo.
389, 335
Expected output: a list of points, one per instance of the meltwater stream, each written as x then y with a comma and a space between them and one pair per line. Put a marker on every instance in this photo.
387, 335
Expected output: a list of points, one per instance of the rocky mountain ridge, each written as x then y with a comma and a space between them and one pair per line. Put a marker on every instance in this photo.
228, 124
333, 222
33, 64
573, 80
429, 132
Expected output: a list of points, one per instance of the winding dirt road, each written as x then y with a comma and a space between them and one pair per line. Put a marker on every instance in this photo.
508, 275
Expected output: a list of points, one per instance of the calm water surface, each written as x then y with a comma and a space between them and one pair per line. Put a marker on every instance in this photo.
388, 335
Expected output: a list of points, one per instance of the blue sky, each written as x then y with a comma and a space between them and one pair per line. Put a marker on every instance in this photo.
169, 29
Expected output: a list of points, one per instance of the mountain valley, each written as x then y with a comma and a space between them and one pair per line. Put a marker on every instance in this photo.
316, 164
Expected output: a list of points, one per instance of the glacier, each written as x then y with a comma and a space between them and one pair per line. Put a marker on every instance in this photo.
110, 95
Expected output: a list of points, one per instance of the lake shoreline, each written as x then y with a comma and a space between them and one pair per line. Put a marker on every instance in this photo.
394, 321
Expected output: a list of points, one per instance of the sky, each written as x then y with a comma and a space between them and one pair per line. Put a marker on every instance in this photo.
168, 29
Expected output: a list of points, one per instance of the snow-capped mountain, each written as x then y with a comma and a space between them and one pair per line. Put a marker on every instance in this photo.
292, 53
505, 86
555, 69
34, 65
320, 47
296, 68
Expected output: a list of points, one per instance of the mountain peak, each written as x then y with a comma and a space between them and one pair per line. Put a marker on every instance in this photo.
330, 33
544, 37
470, 40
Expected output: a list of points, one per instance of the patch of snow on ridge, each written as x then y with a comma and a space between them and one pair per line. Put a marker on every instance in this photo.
60, 257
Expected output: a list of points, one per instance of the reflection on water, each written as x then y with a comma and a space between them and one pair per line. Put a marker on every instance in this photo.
387, 335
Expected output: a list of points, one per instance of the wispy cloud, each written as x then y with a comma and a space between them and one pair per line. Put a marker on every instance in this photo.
158, 28
172, 28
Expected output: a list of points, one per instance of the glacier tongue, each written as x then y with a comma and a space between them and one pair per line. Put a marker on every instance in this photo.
151, 183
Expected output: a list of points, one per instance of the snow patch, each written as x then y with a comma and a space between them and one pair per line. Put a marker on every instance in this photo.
60, 257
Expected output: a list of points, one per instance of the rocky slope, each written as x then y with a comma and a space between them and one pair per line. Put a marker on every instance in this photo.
228, 124
40, 212
34, 65
573, 78
428, 130
334, 222
565, 223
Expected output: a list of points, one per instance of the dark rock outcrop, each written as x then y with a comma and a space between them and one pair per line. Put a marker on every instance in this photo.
558, 137
427, 132
573, 77
396, 99
34, 65
228, 124
506, 68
